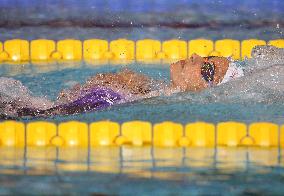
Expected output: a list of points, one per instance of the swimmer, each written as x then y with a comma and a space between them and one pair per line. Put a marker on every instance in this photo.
198, 73
103, 90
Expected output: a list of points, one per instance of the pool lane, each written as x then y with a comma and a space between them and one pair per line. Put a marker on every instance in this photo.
125, 170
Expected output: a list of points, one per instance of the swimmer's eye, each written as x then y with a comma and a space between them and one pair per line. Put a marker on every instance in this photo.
208, 71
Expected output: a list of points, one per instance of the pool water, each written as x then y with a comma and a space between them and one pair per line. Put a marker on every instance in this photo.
210, 106
142, 170
145, 170
154, 19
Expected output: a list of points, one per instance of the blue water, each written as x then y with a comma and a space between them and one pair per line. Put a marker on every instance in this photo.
175, 107
156, 19
142, 171
147, 5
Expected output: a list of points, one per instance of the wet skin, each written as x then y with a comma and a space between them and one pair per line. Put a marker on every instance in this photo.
125, 82
185, 76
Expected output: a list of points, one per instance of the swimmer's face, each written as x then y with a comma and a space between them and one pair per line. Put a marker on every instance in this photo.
186, 74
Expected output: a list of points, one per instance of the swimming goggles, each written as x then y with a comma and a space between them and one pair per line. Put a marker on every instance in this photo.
208, 70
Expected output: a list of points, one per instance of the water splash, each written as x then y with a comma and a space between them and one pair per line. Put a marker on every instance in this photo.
263, 83
14, 96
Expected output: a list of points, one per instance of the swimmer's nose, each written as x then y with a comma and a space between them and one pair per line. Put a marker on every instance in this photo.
195, 57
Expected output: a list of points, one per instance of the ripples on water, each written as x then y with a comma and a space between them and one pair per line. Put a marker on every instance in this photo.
186, 19
189, 171
158, 171
258, 96
159, 33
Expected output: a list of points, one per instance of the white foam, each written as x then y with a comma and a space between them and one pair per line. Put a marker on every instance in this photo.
263, 82
14, 95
